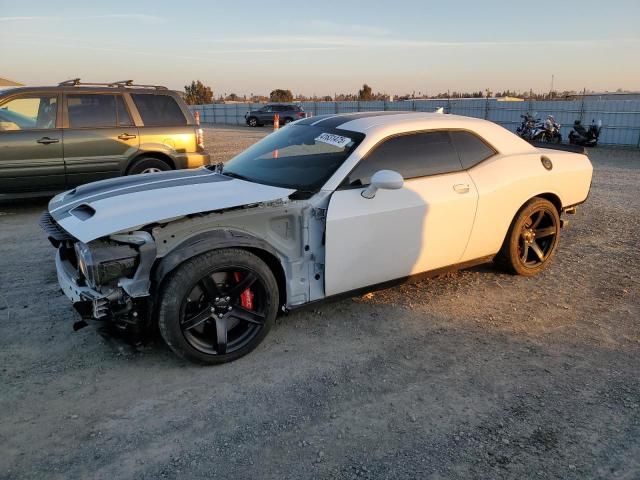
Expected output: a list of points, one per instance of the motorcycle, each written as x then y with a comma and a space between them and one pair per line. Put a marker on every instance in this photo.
526, 127
585, 137
548, 132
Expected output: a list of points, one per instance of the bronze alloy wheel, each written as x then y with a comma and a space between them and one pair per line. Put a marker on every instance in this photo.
532, 238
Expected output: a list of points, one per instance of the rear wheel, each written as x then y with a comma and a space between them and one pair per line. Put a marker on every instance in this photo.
148, 165
218, 306
288, 120
532, 238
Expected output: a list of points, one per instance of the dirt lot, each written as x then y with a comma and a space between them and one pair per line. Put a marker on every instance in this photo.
474, 375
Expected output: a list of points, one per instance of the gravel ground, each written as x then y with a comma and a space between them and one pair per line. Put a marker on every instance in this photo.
476, 374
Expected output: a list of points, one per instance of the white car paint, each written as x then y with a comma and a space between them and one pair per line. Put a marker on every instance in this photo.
423, 226
429, 223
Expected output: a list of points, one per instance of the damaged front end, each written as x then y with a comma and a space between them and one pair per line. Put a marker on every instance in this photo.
106, 279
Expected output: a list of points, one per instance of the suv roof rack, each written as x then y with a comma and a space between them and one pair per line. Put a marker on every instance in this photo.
74, 82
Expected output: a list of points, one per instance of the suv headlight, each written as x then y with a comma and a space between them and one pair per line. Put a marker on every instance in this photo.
105, 262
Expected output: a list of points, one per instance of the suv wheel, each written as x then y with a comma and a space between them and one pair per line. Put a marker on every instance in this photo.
218, 306
288, 120
252, 122
148, 165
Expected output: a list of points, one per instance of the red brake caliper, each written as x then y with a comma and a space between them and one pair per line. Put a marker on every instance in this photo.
246, 297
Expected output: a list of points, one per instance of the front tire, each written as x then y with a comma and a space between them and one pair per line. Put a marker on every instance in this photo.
218, 306
532, 238
252, 122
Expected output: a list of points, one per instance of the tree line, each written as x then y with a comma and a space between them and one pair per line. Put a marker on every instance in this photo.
199, 94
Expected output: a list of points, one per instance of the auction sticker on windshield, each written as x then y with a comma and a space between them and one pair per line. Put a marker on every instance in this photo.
335, 140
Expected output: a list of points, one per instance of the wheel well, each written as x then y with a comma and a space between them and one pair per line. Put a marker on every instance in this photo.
157, 155
276, 267
553, 199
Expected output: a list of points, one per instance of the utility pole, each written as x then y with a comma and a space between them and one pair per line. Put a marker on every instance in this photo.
551, 91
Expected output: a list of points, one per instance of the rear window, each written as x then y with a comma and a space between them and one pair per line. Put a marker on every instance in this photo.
158, 110
91, 110
470, 148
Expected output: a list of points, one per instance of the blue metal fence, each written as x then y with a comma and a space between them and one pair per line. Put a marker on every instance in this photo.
620, 118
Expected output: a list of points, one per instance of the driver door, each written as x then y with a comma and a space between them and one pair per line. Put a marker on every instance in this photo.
31, 157
423, 226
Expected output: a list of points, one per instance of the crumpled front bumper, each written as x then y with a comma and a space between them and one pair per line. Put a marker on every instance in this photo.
88, 302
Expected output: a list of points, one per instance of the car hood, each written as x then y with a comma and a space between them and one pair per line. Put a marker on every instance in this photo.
110, 206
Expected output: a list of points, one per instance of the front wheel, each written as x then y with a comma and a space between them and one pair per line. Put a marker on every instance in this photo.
532, 238
252, 122
218, 306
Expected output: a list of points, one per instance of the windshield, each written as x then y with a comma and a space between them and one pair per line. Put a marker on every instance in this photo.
302, 157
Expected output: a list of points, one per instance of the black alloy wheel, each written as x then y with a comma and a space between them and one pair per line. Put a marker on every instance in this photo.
218, 306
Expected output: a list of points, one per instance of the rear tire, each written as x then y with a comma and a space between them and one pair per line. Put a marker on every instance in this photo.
532, 238
148, 165
204, 315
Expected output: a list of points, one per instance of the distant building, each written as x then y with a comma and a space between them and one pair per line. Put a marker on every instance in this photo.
9, 83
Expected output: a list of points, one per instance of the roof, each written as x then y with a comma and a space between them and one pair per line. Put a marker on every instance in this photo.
81, 88
378, 125
4, 82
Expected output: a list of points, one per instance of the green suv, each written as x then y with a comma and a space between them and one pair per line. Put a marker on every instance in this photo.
54, 138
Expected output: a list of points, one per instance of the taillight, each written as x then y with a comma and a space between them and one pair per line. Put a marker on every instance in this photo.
301, 114
200, 138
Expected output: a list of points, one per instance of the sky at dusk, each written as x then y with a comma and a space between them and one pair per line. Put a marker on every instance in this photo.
325, 47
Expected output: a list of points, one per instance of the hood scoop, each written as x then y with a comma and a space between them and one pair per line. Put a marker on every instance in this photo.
83, 211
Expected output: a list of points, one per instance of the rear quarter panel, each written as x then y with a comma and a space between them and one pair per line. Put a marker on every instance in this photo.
172, 141
506, 182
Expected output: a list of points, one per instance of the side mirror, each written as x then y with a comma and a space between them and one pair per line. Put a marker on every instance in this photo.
383, 179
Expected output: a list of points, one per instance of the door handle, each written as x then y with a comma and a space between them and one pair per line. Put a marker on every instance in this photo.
47, 140
126, 136
461, 187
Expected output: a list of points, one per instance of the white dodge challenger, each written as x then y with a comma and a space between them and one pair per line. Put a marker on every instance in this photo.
328, 205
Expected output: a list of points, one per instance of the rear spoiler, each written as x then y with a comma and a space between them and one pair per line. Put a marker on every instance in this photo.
560, 146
